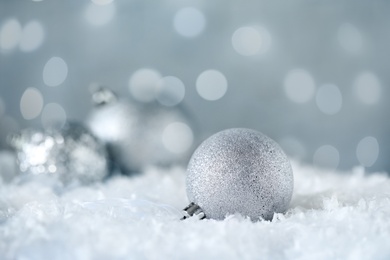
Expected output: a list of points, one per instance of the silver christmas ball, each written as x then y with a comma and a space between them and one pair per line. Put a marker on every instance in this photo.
71, 154
239, 171
140, 134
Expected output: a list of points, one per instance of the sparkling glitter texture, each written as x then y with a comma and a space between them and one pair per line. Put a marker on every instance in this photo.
240, 171
72, 154
141, 134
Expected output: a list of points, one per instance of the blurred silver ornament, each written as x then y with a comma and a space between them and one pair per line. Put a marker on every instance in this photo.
71, 154
238, 171
141, 134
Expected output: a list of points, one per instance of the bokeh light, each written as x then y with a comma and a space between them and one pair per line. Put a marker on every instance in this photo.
53, 115
326, 156
177, 137
101, 2
189, 22
249, 41
31, 103
33, 35
367, 151
144, 83
55, 72
307, 79
100, 14
10, 34
367, 88
350, 38
293, 147
299, 86
211, 85
171, 91
329, 99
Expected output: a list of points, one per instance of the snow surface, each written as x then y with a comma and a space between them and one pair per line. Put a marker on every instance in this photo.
332, 216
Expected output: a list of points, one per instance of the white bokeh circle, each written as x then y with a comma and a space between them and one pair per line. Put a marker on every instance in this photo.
10, 34
329, 99
368, 88
171, 91
211, 85
102, 2
177, 137
299, 86
31, 103
100, 14
350, 38
53, 114
144, 83
55, 72
189, 22
293, 147
249, 41
326, 156
32, 38
367, 151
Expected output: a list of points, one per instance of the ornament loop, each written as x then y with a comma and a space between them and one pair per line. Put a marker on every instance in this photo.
191, 210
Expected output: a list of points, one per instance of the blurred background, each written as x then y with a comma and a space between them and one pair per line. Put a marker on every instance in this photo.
311, 74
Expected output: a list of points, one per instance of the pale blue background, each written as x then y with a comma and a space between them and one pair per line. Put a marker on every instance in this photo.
141, 34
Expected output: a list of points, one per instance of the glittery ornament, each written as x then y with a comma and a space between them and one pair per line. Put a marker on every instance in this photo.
71, 154
140, 134
239, 171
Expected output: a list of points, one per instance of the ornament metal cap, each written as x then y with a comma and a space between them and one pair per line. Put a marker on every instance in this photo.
102, 95
191, 210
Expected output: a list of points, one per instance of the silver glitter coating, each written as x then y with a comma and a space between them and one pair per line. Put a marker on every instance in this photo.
72, 154
134, 132
240, 171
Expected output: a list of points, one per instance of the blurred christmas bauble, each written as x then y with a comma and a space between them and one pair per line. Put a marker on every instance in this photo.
141, 134
239, 171
71, 154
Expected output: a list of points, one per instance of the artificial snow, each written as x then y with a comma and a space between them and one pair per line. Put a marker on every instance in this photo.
333, 215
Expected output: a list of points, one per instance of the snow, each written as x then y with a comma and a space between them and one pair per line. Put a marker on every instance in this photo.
333, 215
